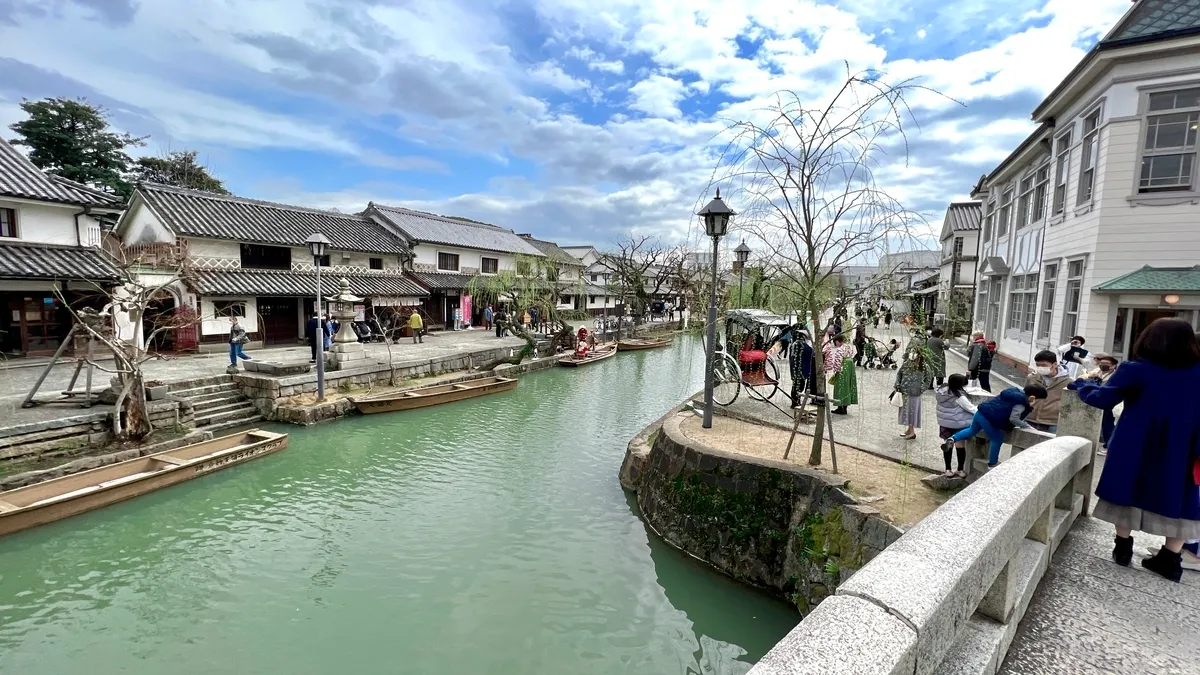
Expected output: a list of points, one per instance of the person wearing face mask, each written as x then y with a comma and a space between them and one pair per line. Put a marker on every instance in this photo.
1048, 373
1106, 365
1074, 355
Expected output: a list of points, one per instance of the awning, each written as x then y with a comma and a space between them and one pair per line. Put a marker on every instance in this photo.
993, 266
395, 302
927, 291
240, 283
1155, 280
57, 263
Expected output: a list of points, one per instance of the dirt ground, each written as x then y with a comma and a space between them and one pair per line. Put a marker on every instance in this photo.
896, 490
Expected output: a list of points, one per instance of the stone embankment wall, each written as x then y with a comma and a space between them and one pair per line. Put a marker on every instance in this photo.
796, 532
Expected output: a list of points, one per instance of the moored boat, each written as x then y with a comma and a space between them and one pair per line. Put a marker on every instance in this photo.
60, 498
634, 344
434, 394
594, 355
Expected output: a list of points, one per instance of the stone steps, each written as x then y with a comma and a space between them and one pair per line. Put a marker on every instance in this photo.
218, 399
241, 414
184, 385
202, 390
242, 403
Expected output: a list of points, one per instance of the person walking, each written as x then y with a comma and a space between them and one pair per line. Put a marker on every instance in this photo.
954, 414
417, 326
311, 331
331, 329
911, 378
1149, 482
860, 341
839, 361
237, 338
488, 314
500, 318
937, 357
995, 417
887, 319
979, 362
1050, 374
801, 364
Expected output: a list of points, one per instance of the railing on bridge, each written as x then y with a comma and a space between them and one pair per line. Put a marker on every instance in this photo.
948, 595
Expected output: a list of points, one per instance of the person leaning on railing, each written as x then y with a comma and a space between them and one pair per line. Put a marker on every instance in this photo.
1151, 475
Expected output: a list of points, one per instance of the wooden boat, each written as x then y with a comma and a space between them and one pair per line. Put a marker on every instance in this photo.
434, 394
60, 498
597, 354
634, 344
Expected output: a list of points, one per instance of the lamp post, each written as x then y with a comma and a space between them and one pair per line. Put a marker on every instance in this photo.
742, 254
716, 217
318, 244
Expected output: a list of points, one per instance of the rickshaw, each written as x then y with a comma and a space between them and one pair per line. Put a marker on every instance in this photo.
743, 358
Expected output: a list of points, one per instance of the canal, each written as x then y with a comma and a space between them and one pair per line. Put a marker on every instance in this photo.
489, 536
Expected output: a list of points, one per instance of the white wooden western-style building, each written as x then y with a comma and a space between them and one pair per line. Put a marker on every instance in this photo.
960, 248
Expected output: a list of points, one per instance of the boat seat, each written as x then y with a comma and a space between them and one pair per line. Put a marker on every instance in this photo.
5, 507
167, 459
126, 479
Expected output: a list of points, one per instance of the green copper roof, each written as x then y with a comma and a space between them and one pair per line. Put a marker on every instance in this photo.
1159, 17
1155, 280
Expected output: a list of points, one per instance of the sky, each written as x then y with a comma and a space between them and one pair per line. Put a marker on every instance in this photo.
576, 120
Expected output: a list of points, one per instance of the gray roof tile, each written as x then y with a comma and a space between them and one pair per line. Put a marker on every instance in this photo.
437, 281
428, 228
203, 214
20, 178
64, 263
280, 283
553, 251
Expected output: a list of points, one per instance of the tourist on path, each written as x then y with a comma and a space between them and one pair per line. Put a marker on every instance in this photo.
995, 417
535, 318
487, 317
237, 338
954, 413
501, 317
911, 378
1054, 377
979, 362
860, 341
1074, 356
1149, 479
330, 330
311, 331
887, 319
801, 364
417, 326
839, 361
1106, 365
937, 357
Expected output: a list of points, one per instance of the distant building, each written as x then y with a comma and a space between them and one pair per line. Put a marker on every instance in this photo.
960, 252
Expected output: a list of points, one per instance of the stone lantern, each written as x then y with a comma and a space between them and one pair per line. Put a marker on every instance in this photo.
347, 352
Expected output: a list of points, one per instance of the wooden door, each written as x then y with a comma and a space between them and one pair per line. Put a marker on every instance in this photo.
277, 320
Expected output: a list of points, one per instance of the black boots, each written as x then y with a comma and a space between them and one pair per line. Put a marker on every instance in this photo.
1165, 563
1123, 551
840, 410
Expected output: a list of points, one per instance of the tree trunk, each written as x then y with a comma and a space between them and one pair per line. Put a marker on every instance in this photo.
137, 421
814, 457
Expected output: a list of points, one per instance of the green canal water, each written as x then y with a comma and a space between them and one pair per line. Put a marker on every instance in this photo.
489, 536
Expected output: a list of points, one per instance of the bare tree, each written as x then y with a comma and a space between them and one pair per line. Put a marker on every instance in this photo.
804, 180
643, 268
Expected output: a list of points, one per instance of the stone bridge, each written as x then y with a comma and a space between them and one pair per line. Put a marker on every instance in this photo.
1009, 576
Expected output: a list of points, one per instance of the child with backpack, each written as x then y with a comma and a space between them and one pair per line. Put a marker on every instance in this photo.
1003, 413
955, 413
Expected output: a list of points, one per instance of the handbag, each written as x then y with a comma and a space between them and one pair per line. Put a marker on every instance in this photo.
896, 399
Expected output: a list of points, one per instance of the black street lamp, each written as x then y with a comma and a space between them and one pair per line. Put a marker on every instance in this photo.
742, 254
716, 217
318, 245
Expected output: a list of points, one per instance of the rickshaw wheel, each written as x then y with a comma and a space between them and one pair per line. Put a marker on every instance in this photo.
727, 380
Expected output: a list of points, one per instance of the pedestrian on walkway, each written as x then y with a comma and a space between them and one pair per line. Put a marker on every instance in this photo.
1150, 477
954, 414
311, 331
997, 416
237, 338
860, 341
331, 329
911, 378
937, 357
1106, 365
801, 364
979, 362
488, 314
417, 326
500, 319
887, 319
1074, 356
1050, 374
839, 361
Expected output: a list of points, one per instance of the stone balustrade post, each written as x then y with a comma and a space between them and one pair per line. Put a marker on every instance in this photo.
1077, 418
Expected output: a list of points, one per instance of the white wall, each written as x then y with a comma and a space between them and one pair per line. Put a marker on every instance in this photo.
218, 325
140, 226
427, 254
52, 223
214, 248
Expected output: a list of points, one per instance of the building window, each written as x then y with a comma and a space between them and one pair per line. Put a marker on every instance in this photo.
958, 247
448, 262
375, 263
1074, 299
591, 299
1022, 302
1041, 186
1024, 210
1049, 288
524, 269
1062, 167
229, 308
323, 260
988, 221
564, 299
8, 223
1005, 213
955, 272
982, 303
257, 256
1169, 153
1091, 150
489, 265
595, 277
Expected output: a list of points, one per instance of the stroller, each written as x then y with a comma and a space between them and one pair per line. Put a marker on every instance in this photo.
879, 355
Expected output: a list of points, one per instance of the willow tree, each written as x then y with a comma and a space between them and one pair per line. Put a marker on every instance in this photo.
803, 177
536, 283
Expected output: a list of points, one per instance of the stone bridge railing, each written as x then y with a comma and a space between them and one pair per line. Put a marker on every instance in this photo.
947, 596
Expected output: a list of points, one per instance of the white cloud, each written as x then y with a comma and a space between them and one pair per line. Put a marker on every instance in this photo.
921, 34
551, 74
658, 95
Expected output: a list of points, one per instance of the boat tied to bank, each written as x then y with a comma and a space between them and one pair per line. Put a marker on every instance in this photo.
635, 344
589, 357
434, 394
85, 491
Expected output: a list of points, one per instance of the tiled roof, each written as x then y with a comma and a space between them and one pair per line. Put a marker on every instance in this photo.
965, 216
1155, 280
280, 283
438, 281
203, 214
427, 228
1158, 18
552, 251
64, 263
20, 178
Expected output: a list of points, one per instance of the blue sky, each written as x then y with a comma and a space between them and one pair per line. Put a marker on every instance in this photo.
576, 120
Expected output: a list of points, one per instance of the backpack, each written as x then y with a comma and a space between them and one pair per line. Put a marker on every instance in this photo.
985, 358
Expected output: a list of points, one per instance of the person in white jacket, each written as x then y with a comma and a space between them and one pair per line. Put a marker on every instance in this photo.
954, 413
1074, 357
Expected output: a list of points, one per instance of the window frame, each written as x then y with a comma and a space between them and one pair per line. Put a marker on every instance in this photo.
1089, 158
1006, 207
1041, 190
250, 250
1024, 201
1146, 114
375, 263
1073, 283
457, 262
1062, 171
14, 224
959, 246
227, 305
989, 221
1049, 290
483, 267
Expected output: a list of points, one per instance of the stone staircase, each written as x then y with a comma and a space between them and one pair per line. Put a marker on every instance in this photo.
218, 403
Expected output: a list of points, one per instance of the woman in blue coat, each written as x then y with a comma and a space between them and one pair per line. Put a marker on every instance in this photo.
1148, 482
